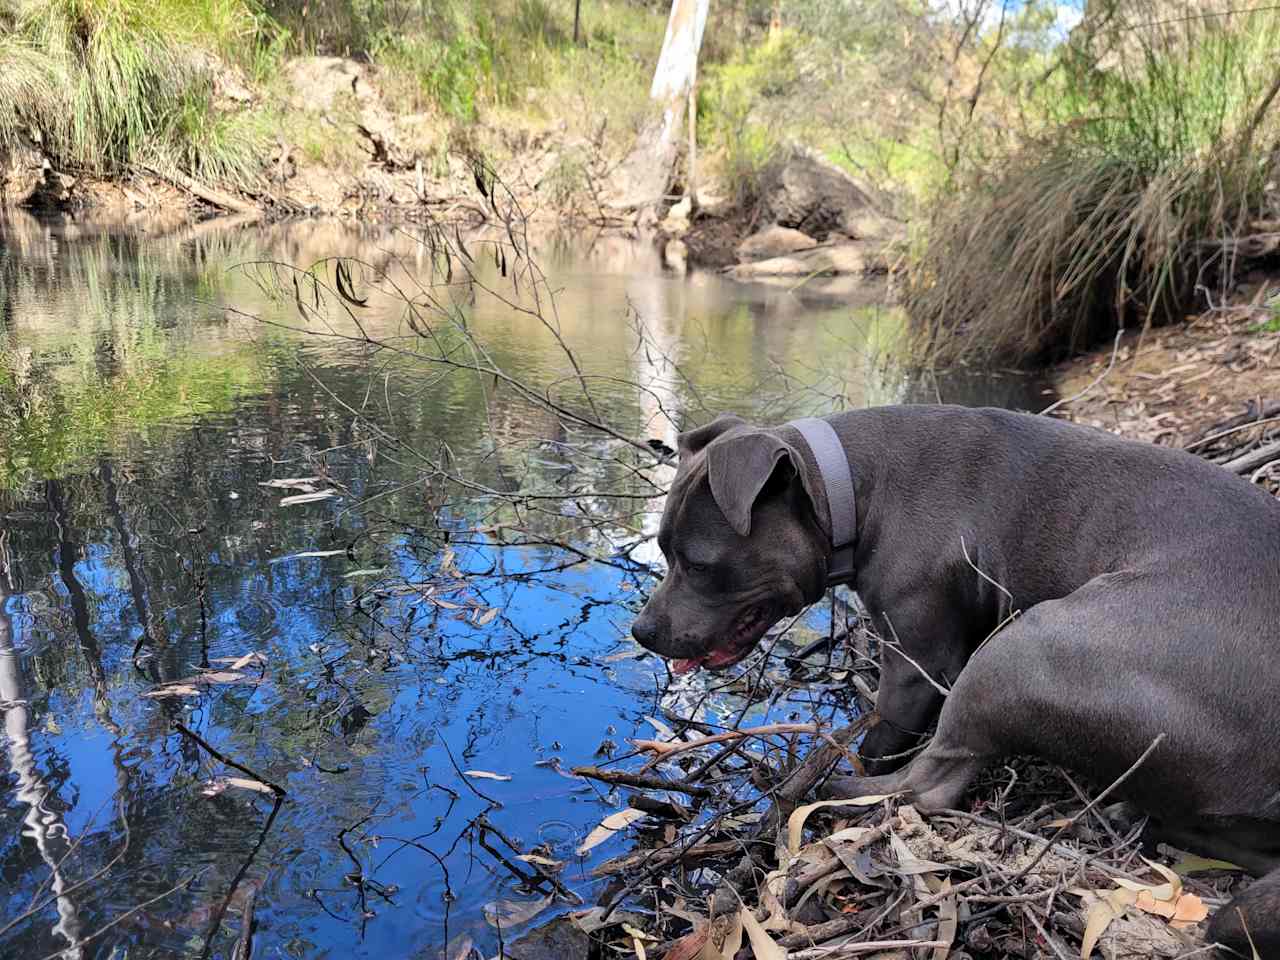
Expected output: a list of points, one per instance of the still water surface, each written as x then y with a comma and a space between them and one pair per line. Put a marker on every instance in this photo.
150, 389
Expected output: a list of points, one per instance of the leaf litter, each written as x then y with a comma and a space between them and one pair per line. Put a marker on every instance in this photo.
729, 851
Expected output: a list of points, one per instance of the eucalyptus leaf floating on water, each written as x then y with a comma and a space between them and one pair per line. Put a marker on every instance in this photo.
485, 775
308, 497
511, 913
609, 826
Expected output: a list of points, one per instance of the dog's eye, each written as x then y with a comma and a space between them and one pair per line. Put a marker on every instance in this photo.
698, 567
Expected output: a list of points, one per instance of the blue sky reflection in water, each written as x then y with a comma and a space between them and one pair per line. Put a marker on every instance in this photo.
140, 549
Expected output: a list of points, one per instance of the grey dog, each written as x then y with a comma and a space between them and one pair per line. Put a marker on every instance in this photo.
1146, 583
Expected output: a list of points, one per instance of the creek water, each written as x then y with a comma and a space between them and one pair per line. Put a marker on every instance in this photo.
154, 383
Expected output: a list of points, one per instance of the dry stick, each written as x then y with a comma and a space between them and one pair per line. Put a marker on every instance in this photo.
243, 949
663, 749
216, 922
1115, 351
665, 856
868, 946
1066, 853
1248, 462
1053, 943
1074, 819
808, 878
278, 790
1205, 441
59, 954
623, 779
485, 824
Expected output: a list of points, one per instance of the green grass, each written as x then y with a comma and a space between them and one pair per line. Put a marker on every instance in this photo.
1110, 216
108, 85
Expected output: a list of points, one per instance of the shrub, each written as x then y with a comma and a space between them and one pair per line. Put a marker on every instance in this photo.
1111, 216
103, 86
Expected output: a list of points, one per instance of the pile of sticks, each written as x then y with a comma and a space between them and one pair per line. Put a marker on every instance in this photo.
1248, 444
730, 860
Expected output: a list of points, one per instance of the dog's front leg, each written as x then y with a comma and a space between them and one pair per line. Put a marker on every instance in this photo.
908, 705
910, 695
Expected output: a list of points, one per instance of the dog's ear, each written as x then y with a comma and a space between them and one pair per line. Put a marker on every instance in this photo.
740, 467
691, 441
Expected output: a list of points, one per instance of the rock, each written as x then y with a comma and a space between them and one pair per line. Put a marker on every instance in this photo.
316, 82
676, 222
773, 241
826, 260
802, 191
681, 210
319, 84
559, 939
21, 173
676, 255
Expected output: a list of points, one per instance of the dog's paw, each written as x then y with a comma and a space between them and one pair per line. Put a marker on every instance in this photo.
845, 788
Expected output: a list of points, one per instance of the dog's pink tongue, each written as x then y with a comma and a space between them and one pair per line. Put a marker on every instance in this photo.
719, 658
684, 666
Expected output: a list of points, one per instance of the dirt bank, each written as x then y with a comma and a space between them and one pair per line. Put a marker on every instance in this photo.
1182, 386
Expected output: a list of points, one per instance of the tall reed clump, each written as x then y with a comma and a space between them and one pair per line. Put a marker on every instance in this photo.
1117, 213
102, 86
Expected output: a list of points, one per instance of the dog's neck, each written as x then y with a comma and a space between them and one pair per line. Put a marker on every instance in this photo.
833, 492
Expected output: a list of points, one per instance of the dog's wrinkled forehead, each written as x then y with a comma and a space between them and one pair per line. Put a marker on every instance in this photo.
735, 460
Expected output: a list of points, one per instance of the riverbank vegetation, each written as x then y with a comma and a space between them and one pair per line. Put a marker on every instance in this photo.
1055, 182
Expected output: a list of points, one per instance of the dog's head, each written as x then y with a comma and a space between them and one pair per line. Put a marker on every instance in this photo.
743, 544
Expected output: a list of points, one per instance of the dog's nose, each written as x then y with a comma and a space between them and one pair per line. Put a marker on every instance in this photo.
644, 630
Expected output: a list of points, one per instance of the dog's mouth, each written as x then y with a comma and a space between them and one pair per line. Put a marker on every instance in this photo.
734, 646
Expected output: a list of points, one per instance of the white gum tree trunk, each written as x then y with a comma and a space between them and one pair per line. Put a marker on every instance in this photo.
643, 177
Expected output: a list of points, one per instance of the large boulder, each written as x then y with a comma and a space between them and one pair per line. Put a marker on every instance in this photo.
802, 191
21, 173
773, 241
825, 260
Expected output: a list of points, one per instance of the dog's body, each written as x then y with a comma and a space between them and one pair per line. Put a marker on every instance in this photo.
1146, 581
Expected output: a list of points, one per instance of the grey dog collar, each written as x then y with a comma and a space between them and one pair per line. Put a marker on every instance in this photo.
833, 466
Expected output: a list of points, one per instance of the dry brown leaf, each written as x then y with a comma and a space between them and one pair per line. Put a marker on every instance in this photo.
510, 913
220, 676
770, 893
173, 690
688, 946
484, 775
307, 497
251, 657
632, 930
244, 783
1103, 907
795, 823
724, 942
284, 483
762, 946
609, 826
541, 861
638, 946
948, 922
487, 617
1161, 908
1190, 911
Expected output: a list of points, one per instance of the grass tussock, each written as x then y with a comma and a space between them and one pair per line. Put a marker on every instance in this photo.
1119, 213
104, 86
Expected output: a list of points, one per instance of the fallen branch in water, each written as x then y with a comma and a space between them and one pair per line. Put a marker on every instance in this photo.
663, 749
664, 858
622, 778
278, 790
